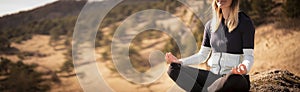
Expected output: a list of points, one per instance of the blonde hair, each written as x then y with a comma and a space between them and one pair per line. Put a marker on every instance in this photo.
233, 19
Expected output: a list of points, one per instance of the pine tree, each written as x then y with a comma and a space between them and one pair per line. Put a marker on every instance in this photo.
245, 6
5, 43
260, 10
21, 77
292, 8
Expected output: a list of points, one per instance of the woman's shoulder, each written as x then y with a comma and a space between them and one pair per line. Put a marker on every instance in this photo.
243, 16
245, 22
208, 23
244, 19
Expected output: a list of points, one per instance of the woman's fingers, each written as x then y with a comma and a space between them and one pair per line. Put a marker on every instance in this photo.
167, 58
170, 58
173, 58
242, 69
234, 71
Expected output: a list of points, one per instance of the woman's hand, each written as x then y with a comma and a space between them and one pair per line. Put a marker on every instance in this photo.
241, 69
170, 58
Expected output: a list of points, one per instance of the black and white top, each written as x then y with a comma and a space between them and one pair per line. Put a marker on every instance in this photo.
229, 49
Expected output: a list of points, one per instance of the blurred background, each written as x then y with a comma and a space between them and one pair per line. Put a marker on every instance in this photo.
36, 44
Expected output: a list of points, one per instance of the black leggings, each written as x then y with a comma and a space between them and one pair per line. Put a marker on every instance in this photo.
193, 79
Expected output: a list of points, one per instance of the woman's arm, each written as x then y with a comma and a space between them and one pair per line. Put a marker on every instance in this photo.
204, 51
248, 58
248, 34
196, 58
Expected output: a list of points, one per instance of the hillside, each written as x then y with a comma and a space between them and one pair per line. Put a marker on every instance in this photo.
54, 10
42, 37
48, 60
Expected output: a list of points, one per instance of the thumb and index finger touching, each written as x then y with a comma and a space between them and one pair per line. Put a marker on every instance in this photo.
241, 69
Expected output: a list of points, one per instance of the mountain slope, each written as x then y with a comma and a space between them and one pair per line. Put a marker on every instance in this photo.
50, 11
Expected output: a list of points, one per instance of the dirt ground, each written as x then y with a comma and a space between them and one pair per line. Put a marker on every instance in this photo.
276, 49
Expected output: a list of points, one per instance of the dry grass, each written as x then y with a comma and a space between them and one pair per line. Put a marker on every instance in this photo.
276, 48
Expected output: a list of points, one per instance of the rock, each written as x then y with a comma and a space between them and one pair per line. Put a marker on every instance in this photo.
275, 80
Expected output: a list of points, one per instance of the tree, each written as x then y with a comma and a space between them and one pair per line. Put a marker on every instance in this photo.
292, 8
245, 6
260, 9
68, 64
4, 41
21, 77
54, 35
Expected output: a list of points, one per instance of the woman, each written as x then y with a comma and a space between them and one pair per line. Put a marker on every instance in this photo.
230, 37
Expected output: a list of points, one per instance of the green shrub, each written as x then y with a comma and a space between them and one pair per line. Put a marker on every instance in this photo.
292, 8
21, 77
260, 10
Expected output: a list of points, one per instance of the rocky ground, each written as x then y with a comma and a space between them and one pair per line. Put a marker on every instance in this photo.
275, 81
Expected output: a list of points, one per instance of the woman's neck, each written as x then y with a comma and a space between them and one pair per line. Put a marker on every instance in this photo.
225, 12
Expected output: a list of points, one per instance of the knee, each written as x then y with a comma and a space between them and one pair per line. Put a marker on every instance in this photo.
174, 70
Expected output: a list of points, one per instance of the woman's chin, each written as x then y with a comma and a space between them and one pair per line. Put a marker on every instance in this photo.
223, 6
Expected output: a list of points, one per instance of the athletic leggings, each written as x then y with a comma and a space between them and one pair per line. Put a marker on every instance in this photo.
201, 79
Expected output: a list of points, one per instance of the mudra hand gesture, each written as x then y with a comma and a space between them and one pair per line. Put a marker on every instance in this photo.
170, 58
241, 69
